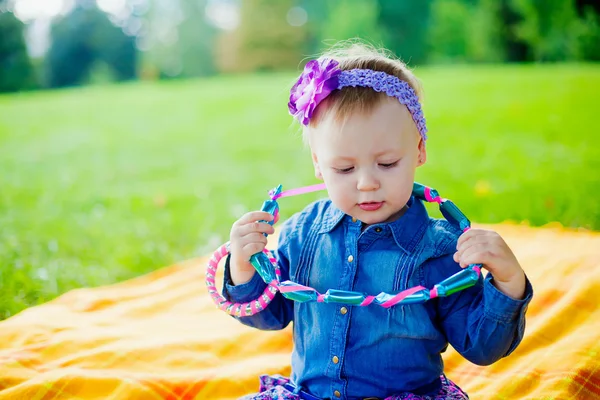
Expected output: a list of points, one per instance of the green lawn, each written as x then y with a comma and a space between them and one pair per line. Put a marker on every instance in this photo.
101, 184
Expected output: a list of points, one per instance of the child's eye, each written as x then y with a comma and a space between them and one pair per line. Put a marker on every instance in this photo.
343, 170
390, 165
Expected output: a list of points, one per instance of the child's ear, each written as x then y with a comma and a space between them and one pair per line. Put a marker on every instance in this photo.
422, 157
318, 173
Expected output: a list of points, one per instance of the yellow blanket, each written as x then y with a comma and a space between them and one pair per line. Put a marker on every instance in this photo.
160, 336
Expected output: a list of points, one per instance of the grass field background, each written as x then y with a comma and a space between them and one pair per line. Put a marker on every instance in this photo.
101, 184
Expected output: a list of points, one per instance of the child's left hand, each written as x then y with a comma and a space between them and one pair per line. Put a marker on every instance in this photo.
482, 246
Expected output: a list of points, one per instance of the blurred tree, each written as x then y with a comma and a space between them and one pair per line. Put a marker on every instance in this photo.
16, 71
449, 32
515, 48
352, 19
317, 18
465, 31
265, 39
196, 39
83, 39
551, 29
160, 42
405, 24
590, 35
486, 35
114, 48
179, 42
513, 30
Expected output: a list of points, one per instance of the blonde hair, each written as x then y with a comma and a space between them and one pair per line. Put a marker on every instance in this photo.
354, 54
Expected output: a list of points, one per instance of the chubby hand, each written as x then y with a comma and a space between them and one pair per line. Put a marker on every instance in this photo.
246, 239
482, 246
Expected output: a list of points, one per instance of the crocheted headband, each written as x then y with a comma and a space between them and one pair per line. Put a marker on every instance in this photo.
321, 77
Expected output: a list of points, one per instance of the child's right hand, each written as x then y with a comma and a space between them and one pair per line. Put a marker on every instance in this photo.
246, 239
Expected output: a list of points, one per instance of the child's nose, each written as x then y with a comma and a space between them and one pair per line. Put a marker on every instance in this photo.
367, 182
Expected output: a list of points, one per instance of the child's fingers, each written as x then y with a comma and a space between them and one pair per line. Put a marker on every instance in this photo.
249, 224
252, 248
472, 234
470, 242
465, 237
253, 237
245, 247
254, 227
254, 216
476, 254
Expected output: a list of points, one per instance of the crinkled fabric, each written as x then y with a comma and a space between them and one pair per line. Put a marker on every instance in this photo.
277, 387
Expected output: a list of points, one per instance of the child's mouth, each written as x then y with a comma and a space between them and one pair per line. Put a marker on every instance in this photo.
371, 206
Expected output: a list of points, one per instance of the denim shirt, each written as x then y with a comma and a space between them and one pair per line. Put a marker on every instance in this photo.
372, 351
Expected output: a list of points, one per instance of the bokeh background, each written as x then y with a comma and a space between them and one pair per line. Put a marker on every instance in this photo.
133, 133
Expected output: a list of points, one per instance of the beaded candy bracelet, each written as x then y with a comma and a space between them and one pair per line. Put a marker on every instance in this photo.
267, 267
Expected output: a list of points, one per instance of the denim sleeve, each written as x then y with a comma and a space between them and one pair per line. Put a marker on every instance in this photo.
481, 323
280, 312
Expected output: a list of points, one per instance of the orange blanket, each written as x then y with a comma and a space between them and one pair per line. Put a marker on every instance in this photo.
160, 336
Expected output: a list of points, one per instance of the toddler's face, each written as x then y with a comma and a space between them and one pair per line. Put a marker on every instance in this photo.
368, 162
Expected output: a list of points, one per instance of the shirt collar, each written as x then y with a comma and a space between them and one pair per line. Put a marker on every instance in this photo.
407, 231
331, 218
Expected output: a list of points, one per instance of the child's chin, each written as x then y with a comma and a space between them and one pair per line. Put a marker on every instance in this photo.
372, 217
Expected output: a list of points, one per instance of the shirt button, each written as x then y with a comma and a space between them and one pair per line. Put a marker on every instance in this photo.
378, 229
343, 310
354, 219
335, 359
337, 394
350, 258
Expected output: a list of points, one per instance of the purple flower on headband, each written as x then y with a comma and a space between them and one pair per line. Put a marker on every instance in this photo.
316, 82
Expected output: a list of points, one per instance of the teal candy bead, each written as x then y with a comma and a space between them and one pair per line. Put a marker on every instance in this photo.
419, 191
454, 215
344, 297
457, 282
418, 297
263, 266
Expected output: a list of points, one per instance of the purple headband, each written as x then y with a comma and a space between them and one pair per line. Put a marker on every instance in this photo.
320, 78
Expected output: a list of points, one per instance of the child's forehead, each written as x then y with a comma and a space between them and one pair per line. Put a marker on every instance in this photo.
339, 154
386, 124
387, 111
367, 145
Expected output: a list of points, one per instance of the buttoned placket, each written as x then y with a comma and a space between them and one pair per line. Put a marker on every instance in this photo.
343, 313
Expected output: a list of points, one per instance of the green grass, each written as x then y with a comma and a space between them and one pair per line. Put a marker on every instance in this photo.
101, 184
